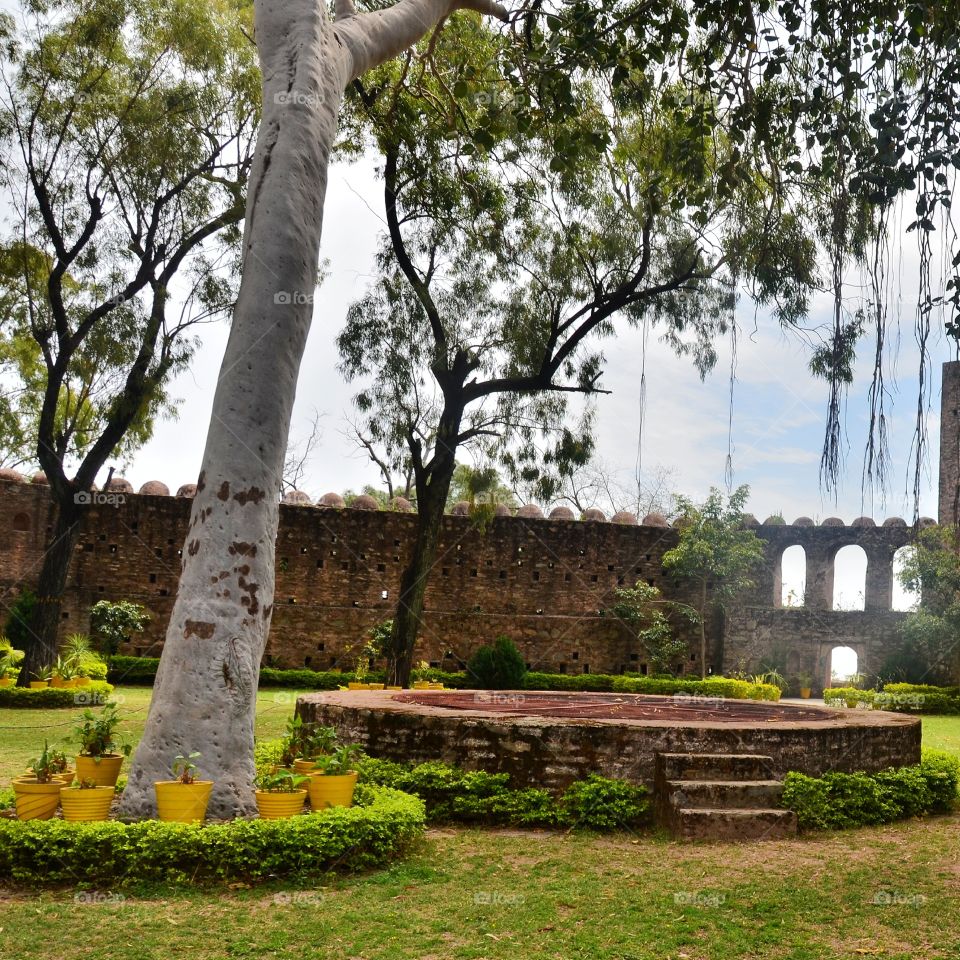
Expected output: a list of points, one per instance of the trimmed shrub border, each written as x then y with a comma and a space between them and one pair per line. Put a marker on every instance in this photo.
95, 694
142, 670
838, 801
454, 795
899, 697
379, 828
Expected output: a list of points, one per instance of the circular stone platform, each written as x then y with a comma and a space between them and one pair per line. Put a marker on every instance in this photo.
552, 739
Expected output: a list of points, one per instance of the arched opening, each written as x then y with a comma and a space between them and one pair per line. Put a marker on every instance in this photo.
793, 576
903, 599
849, 578
843, 666
21, 522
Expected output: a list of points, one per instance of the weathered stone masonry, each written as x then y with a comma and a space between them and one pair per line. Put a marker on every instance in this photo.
546, 583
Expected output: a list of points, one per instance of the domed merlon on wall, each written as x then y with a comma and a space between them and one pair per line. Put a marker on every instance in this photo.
774, 520
655, 520
530, 511
331, 501
803, 522
864, 522
40, 479
594, 515
6, 473
502, 510
188, 490
926, 522
832, 522
561, 513
297, 498
749, 520
401, 505
625, 517
894, 522
364, 502
461, 509
118, 485
154, 488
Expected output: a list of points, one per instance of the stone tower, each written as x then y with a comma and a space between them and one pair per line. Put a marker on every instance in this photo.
949, 509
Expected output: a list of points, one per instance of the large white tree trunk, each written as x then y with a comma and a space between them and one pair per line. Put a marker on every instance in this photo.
204, 698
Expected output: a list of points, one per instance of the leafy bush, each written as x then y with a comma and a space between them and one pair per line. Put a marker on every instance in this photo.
497, 667
381, 825
901, 697
115, 623
842, 800
453, 795
96, 693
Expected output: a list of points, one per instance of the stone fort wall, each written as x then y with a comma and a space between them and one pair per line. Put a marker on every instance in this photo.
546, 583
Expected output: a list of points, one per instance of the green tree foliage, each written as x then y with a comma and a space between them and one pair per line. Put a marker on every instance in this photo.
113, 623
126, 130
479, 486
716, 553
932, 630
498, 666
645, 613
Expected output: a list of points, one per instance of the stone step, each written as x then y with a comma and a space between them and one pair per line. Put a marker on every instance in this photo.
724, 794
733, 824
713, 766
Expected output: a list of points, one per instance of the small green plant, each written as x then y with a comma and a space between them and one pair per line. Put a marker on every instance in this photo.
85, 784
97, 735
341, 761
42, 674
42, 766
184, 768
58, 761
115, 623
293, 741
319, 742
497, 667
281, 781
804, 681
65, 668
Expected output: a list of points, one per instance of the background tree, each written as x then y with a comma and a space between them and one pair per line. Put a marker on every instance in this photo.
127, 142
645, 613
597, 485
505, 263
716, 554
931, 631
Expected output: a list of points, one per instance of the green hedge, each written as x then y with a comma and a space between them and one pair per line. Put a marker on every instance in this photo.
453, 795
97, 692
142, 670
838, 801
380, 827
901, 697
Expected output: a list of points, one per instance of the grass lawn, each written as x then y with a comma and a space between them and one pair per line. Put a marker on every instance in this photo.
22, 732
889, 892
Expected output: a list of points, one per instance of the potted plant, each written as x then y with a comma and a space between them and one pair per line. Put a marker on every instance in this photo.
315, 742
86, 801
806, 685
60, 766
333, 782
101, 753
38, 795
41, 678
280, 795
64, 673
183, 799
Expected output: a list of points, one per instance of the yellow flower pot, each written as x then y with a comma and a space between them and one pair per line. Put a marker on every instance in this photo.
326, 791
421, 685
36, 801
375, 686
39, 684
72, 683
805, 692
182, 802
103, 771
6, 681
351, 685
58, 682
302, 766
280, 806
83, 806
83, 681
394, 688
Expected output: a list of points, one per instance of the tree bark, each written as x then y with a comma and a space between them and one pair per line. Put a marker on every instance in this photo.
431, 502
204, 696
703, 629
45, 622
